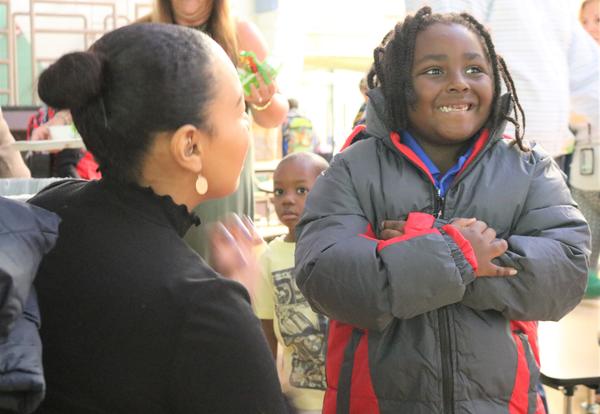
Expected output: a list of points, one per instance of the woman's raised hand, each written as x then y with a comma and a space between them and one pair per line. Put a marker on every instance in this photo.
233, 250
260, 97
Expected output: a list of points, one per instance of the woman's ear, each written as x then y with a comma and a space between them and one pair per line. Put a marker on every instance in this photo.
187, 146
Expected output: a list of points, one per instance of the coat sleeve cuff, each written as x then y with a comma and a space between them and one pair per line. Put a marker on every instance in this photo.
461, 251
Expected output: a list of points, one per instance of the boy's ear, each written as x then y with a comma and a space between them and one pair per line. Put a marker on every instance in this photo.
188, 146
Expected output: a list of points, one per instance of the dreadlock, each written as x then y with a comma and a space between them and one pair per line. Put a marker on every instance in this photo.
393, 61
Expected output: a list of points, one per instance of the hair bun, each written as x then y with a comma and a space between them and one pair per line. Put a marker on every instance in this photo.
72, 81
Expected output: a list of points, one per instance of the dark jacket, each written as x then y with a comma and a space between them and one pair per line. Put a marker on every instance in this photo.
413, 330
26, 234
134, 321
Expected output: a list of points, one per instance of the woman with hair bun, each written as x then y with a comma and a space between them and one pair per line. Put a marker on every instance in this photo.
266, 105
133, 320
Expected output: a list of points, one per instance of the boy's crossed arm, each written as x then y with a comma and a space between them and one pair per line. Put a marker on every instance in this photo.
480, 236
548, 245
350, 276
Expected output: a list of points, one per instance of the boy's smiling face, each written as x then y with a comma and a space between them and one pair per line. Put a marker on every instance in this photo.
292, 180
453, 84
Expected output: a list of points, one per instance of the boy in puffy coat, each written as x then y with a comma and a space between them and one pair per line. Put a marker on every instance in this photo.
423, 241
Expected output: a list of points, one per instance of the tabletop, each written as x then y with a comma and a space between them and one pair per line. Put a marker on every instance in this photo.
48, 145
570, 349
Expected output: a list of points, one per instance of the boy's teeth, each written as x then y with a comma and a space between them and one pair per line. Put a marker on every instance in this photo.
454, 108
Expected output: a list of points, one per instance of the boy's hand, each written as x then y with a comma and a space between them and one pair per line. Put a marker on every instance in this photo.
395, 228
482, 238
462, 222
486, 247
233, 244
391, 229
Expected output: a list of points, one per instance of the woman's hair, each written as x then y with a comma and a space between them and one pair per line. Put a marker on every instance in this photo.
393, 61
220, 25
133, 83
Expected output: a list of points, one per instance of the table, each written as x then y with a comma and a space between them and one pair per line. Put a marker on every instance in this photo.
570, 351
49, 145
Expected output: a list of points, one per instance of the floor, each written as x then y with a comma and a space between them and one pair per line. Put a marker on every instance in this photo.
571, 347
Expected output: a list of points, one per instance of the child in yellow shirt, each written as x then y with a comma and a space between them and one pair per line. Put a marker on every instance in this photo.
286, 316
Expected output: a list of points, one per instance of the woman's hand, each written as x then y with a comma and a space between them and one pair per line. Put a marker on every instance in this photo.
269, 107
233, 246
41, 133
260, 98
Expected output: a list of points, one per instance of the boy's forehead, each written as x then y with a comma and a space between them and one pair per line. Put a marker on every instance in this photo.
298, 169
440, 40
437, 35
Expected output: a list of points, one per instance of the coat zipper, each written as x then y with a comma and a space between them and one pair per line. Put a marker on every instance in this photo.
443, 317
444, 324
439, 203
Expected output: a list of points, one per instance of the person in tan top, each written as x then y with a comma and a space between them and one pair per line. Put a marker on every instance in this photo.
11, 162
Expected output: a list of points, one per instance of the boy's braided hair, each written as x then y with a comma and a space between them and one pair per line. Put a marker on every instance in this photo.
393, 61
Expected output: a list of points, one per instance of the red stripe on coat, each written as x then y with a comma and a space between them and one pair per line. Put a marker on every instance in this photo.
338, 338
530, 329
383, 244
414, 158
363, 399
479, 144
417, 224
463, 244
358, 129
519, 400
369, 233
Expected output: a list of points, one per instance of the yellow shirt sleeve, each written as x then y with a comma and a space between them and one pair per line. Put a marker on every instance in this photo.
264, 307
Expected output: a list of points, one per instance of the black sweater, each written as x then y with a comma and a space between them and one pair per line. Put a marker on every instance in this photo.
133, 321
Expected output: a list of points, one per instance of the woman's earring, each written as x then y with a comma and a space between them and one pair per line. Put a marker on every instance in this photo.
201, 184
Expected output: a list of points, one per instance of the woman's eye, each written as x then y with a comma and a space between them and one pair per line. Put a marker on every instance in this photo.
301, 190
433, 71
277, 192
473, 69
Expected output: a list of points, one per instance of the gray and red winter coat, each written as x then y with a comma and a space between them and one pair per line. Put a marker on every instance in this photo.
412, 330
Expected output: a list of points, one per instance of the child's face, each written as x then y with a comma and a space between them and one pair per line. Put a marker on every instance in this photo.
453, 83
590, 18
292, 181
